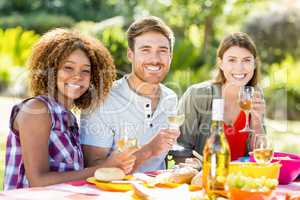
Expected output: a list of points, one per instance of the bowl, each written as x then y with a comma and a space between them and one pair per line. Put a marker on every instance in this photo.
290, 166
238, 194
255, 170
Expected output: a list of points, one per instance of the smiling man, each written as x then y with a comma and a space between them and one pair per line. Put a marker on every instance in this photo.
138, 104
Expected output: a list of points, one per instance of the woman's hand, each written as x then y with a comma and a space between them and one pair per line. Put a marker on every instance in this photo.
124, 160
258, 109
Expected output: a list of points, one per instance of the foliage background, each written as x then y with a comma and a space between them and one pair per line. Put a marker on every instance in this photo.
199, 25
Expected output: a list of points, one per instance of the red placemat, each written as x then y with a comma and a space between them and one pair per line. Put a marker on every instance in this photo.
78, 183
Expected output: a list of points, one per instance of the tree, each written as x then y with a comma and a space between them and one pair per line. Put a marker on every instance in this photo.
276, 34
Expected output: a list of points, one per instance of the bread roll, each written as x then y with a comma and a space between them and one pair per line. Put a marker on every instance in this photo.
109, 174
181, 175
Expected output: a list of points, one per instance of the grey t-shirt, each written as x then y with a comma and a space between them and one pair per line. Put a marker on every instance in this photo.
196, 104
126, 112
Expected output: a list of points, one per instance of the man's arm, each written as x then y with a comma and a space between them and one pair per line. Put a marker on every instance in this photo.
142, 155
162, 142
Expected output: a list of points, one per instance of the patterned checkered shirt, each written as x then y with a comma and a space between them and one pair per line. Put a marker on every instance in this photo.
65, 153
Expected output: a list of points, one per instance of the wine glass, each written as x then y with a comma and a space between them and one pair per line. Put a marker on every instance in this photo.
262, 149
175, 120
245, 102
126, 141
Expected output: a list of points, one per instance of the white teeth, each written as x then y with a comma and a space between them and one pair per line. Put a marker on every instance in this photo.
239, 76
153, 68
73, 85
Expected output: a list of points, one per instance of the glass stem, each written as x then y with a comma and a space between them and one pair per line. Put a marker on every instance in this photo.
247, 120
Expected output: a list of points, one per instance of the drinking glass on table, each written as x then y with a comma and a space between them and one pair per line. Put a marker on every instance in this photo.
262, 149
245, 102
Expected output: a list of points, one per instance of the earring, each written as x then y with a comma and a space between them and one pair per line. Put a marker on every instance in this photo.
91, 86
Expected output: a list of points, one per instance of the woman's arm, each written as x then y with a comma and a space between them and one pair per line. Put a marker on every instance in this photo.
258, 111
34, 124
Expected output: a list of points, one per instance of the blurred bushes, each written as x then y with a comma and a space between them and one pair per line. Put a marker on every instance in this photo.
114, 38
198, 26
112, 34
180, 79
185, 69
40, 22
276, 34
15, 47
282, 90
4, 79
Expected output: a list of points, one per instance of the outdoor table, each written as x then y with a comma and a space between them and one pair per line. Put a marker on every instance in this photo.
81, 190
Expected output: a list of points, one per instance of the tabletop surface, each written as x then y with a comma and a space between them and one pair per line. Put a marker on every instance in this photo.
81, 190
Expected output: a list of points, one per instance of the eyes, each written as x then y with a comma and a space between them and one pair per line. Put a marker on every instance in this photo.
71, 70
245, 61
161, 51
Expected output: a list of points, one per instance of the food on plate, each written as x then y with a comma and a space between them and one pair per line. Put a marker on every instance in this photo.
242, 187
180, 176
245, 183
142, 192
109, 174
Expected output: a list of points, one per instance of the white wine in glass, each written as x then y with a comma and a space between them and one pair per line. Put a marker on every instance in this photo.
262, 149
263, 155
126, 143
175, 121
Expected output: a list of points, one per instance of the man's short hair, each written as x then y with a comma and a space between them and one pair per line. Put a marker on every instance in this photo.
149, 24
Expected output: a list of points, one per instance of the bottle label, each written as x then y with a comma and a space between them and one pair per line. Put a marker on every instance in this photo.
217, 109
213, 166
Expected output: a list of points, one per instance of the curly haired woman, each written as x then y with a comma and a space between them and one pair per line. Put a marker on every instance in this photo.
67, 70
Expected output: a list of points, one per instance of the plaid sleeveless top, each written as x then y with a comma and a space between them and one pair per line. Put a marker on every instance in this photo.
65, 153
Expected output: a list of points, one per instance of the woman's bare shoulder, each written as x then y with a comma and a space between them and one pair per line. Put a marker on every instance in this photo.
33, 113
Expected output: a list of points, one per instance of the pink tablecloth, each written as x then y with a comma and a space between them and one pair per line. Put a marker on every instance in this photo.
81, 190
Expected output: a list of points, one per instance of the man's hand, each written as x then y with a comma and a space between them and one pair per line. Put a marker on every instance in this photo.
163, 141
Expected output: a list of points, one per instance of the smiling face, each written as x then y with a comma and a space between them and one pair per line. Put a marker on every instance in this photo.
238, 65
73, 76
151, 57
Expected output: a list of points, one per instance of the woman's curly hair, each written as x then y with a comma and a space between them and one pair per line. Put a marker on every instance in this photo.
49, 54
